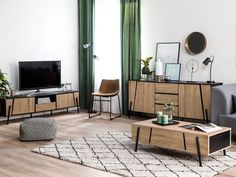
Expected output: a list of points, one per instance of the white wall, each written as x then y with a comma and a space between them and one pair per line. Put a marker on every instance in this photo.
39, 30
173, 20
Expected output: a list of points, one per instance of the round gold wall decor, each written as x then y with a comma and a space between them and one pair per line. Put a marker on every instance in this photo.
195, 43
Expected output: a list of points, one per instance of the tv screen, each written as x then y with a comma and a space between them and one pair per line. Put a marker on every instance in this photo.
39, 74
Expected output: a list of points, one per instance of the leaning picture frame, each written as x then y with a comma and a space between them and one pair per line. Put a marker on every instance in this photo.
168, 52
172, 71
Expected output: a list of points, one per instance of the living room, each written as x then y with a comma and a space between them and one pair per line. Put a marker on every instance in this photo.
49, 30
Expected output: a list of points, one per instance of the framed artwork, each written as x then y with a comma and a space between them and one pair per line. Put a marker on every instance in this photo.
168, 52
172, 71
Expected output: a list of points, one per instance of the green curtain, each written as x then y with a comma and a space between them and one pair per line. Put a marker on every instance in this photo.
86, 68
130, 46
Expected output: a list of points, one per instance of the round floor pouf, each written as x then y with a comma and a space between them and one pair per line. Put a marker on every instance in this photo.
35, 129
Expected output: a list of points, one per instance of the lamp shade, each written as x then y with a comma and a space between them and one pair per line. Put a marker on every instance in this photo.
206, 61
158, 67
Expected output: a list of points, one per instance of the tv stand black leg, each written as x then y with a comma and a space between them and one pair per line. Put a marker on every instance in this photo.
77, 104
8, 114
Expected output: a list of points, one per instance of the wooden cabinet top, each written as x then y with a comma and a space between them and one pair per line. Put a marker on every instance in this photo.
183, 82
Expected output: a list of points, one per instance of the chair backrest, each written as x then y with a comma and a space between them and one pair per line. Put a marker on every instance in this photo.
110, 86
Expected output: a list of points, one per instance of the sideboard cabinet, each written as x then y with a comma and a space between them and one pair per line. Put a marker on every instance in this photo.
192, 99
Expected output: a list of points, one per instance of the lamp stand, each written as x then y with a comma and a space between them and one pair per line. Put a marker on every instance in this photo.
210, 81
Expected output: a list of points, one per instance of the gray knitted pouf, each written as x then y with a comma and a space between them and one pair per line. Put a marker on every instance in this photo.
35, 129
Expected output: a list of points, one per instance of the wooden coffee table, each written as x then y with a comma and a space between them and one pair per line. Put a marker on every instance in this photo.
182, 139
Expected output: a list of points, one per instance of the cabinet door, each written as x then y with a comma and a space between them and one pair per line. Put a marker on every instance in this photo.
144, 97
76, 95
65, 100
132, 90
20, 105
190, 103
206, 96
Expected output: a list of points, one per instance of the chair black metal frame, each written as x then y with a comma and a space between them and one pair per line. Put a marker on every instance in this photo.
105, 87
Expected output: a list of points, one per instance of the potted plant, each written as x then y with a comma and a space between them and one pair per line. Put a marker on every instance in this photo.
5, 86
169, 107
145, 62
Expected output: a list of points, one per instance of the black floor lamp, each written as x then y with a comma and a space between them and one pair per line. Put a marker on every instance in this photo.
206, 62
90, 109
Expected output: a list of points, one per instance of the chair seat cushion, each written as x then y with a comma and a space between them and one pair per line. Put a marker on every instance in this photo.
98, 93
35, 129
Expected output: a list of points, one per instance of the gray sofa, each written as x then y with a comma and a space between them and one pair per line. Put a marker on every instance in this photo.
223, 110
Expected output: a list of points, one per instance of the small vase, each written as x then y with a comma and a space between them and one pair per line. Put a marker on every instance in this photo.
170, 116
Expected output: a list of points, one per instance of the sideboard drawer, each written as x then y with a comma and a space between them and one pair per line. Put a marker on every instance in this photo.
167, 88
163, 98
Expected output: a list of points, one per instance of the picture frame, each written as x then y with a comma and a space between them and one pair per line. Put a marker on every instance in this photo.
172, 71
168, 52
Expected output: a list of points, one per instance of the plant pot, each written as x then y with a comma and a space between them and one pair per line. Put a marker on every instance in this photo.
145, 70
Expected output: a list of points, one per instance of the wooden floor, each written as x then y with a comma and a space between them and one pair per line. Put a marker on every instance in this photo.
17, 160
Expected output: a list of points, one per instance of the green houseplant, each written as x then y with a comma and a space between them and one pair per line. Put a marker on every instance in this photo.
5, 86
169, 107
145, 62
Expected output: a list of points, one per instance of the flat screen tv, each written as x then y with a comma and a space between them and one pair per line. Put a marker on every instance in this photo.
35, 75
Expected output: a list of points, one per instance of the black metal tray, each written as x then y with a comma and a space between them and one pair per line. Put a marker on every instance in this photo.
173, 122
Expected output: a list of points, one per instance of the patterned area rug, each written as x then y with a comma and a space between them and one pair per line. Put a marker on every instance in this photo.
114, 152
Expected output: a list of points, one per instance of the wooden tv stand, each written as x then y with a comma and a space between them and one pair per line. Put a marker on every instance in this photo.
34, 103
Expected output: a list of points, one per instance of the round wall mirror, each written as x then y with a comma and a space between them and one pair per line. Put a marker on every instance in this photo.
195, 43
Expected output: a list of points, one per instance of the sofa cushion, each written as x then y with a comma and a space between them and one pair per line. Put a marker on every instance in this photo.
228, 121
234, 102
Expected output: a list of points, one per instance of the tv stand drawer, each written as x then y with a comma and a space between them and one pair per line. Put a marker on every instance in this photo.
45, 107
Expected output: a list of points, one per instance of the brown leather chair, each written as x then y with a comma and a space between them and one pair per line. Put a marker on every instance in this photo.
108, 89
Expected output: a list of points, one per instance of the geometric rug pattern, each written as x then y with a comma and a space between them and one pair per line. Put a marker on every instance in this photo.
114, 152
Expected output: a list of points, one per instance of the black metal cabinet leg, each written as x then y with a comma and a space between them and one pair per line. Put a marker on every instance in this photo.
8, 114
199, 151
137, 139
130, 107
224, 152
207, 118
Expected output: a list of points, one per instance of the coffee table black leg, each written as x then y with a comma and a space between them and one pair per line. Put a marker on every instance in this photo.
137, 138
224, 152
199, 151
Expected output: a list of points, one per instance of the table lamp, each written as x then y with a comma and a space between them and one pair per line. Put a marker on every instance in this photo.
206, 62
